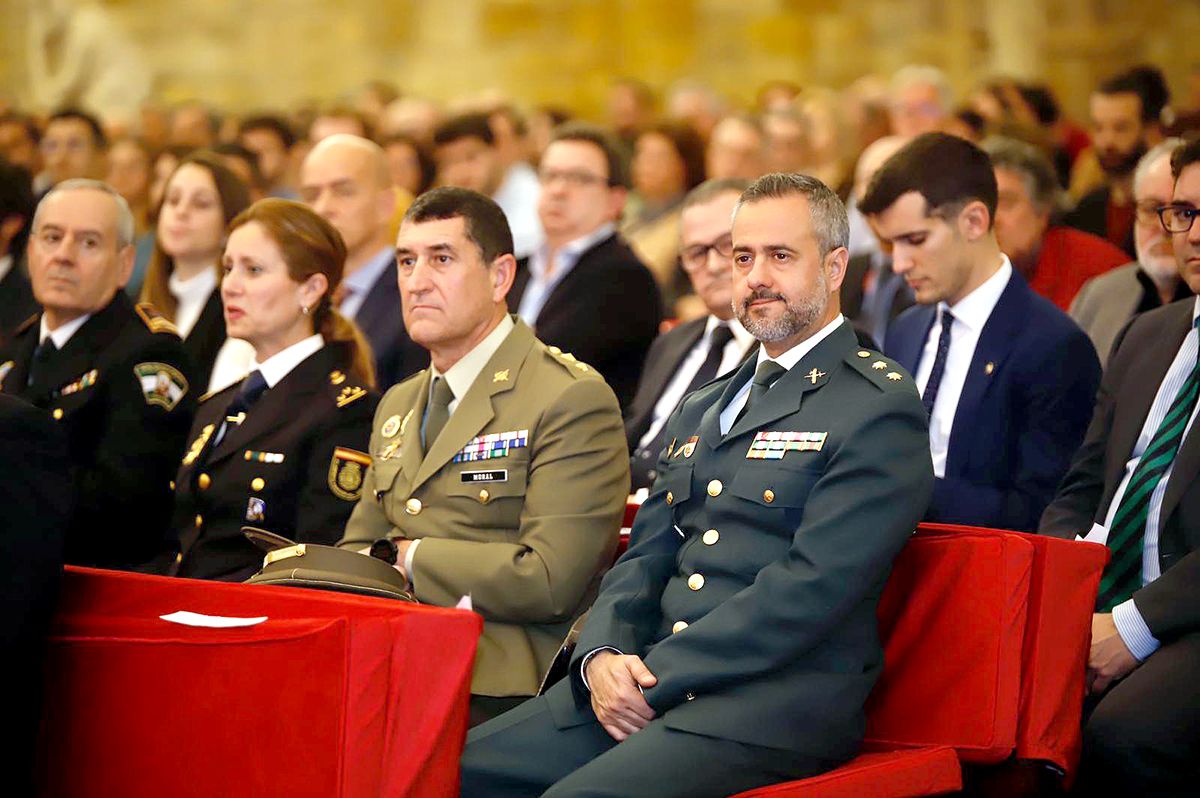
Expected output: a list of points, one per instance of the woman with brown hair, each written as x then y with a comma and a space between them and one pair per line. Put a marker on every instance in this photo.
199, 199
284, 449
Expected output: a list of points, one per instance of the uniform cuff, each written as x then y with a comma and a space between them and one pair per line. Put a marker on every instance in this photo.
1133, 630
588, 658
408, 562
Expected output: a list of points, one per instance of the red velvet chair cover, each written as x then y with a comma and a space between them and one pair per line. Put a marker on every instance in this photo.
333, 695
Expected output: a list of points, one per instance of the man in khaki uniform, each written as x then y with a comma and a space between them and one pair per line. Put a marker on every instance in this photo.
500, 472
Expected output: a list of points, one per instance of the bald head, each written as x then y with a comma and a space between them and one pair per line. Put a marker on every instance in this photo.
345, 179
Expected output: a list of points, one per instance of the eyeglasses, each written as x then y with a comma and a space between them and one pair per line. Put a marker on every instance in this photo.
573, 178
1178, 218
695, 257
1146, 211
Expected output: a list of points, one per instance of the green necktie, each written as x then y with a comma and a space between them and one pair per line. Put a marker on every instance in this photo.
1127, 533
764, 377
439, 410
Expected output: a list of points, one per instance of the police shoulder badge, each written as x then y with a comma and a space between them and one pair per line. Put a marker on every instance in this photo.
346, 469
162, 384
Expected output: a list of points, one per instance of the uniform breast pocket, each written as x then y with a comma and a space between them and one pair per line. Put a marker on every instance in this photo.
674, 484
774, 484
490, 481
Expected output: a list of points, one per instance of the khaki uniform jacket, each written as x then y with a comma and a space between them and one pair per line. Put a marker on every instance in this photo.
527, 532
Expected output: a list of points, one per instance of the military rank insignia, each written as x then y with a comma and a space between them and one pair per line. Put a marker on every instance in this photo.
198, 445
488, 447
256, 509
774, 445
162, 384
86, 381
346, 469
688, 447
5, 367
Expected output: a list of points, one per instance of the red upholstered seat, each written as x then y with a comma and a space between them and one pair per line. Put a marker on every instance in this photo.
333, 695
985, 635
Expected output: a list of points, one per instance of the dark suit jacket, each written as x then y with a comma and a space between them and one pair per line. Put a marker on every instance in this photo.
206, 338
1022, 413
662, 361
605, 312
381, 320
125, 440
319, 422
16, 300
1090, 215
778, 645
1140, 358
852, 297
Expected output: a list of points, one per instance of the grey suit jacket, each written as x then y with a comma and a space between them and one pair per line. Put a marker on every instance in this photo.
1105, 304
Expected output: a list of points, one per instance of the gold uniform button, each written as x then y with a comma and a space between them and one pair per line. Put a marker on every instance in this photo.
554, 350
689, 696
678, 626
57, 414
768, 495
484, 496
199, 521
172, 484
696, 581
412, 506
258, 483
178, 557
204, 481
711, 537
670, 497
863, 353
715, 487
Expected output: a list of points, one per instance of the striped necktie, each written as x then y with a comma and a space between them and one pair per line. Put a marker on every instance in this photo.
1128, 529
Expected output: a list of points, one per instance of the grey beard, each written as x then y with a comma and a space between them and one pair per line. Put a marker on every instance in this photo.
797, 316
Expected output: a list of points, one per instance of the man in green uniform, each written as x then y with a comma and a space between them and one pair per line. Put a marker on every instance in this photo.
735, 642
500, 472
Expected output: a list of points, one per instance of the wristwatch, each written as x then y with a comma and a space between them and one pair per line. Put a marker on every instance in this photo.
385, 549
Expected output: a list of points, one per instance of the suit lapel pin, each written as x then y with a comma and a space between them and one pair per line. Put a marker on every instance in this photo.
390, 427
689, 448
500, 376
814, 375
989, 368
256, 509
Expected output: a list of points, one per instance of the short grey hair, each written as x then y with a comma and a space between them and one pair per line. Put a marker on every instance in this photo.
1034, 167
924, 75
711, 189
830, 224
1164, 149
125, 226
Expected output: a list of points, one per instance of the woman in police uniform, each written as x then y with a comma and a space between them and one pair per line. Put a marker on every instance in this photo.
285, 449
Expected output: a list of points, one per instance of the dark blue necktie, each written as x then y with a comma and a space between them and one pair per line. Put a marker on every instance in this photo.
939, 363
42, 356
252, 388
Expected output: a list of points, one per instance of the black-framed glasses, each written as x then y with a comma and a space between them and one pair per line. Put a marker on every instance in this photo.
1177, 218
695, 257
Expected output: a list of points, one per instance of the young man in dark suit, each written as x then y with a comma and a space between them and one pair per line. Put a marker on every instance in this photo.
1008, 380
345, 179
1134, 484
695, 352
735, 643
584, 291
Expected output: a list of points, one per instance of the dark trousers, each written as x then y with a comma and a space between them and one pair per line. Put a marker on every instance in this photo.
1143, 735
483, 708
522, 753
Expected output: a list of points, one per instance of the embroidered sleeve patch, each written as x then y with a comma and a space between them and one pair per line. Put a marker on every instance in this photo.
162, 384
346, 469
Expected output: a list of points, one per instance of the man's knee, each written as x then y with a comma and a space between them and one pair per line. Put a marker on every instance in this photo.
1119, 742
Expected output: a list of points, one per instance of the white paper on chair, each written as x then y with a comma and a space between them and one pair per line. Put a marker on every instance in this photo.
211, 621
1097, 534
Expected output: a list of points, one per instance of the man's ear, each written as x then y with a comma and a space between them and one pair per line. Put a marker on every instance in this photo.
125, 260
502, 272
974, 221
835, 268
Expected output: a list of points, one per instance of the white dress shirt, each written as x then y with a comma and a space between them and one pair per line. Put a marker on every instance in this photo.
191, 295
1128, 620
734, 351
279, 365
64, 332
518, 198
970, 315
543, 278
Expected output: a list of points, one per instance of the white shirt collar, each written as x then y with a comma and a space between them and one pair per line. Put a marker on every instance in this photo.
974, 309
463, 373
64, 331
797, 352
740, 333
6, 264
568, 253
195, 288
280, 364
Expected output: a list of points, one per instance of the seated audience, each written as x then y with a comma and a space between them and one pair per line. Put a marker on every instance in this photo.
243, 163
735, 643
584, 291
194, 125
335, 120
786, 139
16, 214
1133, 486
201, 197
284, 449
499, 473
410, 164
19, 140
695, 352
467, 157
735, 150
271, 140
114, 377
668, 162
921, 100
1106, 303
73, 146
345, 180
130, 172
1007, 379
1055, 260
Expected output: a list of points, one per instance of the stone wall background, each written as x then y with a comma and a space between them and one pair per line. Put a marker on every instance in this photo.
248, 54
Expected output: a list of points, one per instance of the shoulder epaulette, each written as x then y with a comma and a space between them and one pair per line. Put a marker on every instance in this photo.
569, 362
25, 325
155, 321
879, 369
345, 392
